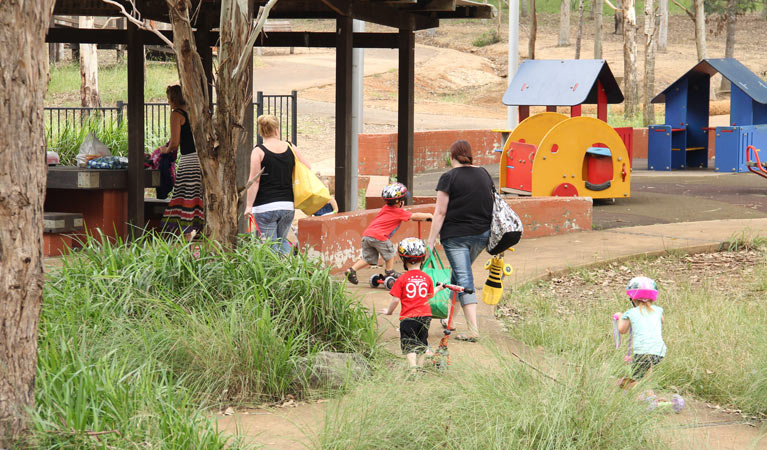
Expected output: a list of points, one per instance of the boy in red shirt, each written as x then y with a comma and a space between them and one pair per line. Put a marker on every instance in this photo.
413, 289
375, 238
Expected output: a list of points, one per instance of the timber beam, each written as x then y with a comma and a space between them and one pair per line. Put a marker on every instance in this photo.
271, 39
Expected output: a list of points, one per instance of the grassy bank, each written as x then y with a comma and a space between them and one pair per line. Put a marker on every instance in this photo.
142, 338
64, 86
499, 405
714, 330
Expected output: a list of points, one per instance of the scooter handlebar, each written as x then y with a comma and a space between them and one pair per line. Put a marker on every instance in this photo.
455, 288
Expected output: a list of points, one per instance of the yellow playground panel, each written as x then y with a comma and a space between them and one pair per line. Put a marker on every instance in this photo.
550, 154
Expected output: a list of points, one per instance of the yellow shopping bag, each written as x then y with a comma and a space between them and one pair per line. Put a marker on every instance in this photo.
309, 192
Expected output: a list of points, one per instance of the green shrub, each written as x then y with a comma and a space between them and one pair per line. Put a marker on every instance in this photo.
501, 404
145, 331
67, 138
489, 37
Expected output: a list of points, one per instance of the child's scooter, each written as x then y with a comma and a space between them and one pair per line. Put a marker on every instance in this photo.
381, 279
441, 356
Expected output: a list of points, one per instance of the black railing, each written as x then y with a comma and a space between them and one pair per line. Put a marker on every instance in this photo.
285, 108
72, 116
156, 115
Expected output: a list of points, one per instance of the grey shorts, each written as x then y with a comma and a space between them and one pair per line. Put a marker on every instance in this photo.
372, 247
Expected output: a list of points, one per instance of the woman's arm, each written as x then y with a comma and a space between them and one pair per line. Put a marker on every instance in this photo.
440, 209
256, 156
301, 157
175, 132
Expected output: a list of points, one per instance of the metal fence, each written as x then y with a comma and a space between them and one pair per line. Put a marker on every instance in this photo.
156, 115
285, 108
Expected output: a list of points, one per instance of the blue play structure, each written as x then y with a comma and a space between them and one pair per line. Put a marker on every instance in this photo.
683, 141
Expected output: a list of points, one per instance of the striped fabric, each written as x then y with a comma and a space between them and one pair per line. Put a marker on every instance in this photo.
185, 211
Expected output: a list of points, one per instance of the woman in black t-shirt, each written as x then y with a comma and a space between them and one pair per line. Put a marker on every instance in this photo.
271, 197
462, 220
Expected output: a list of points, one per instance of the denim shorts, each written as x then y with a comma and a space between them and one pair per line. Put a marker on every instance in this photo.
275, 225
462, 251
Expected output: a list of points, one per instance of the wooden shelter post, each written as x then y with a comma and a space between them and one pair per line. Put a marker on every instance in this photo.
405, 111
344, 36
135, 130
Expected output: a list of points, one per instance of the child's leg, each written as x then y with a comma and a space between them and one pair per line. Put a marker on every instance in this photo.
359, 264
389, 265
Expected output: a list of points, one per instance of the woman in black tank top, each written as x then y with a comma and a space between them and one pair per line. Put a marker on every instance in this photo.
270, 199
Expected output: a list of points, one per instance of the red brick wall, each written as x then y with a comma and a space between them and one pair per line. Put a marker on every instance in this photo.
378, 152
336, 238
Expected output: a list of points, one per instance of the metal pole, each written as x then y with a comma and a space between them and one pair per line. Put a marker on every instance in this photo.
294, 116
358, 92
259, 111
512, 111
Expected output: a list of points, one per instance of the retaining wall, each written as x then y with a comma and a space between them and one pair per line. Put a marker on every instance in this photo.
336, 239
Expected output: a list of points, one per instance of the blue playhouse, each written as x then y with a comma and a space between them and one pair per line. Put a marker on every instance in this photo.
682, 142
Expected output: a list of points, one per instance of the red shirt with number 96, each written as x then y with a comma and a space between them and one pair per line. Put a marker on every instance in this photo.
414, 289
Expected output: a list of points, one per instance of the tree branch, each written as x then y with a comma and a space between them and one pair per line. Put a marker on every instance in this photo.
244, 189
263, 13
135, 19
614, 8
684, 8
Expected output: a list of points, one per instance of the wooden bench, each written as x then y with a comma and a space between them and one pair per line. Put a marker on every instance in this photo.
58, 231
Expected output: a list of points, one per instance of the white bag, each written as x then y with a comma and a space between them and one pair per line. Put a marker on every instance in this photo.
91, 146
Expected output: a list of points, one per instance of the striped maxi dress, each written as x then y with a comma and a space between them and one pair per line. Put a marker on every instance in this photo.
185, 211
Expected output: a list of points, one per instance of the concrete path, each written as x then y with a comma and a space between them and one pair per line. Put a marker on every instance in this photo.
697, 427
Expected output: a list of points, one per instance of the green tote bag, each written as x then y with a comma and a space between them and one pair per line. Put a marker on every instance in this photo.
440, 303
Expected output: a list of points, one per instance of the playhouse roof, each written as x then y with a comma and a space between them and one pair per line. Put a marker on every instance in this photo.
559, 82
731, 69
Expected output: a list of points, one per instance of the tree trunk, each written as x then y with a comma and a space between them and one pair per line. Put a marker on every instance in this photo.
216, 136
700, 29
580, 31
598, 31
24, 80
533, 31
650, 33
89, 69
663, 27
523, 8
592, 11
630, 78
564, 24
618, 17
729, 46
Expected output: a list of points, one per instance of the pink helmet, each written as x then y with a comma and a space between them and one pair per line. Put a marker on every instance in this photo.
642, 288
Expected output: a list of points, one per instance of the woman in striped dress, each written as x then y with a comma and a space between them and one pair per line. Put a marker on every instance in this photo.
185, 212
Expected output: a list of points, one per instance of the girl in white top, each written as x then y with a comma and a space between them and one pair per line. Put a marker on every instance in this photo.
645, 321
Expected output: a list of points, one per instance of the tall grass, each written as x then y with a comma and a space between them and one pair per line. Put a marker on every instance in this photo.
499, 405
67, 138
141, 337
715, 337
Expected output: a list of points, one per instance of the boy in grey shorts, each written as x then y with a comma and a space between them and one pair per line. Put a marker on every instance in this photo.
375, 238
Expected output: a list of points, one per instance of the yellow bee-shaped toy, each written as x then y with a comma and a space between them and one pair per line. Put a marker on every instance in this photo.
493, 290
